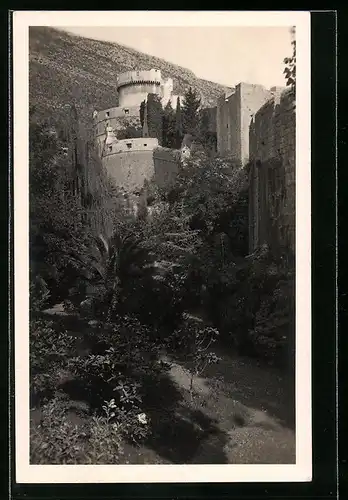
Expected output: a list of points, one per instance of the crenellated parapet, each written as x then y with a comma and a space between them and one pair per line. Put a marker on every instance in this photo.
152, 76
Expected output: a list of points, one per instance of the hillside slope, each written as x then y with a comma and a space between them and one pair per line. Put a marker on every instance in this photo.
65, 68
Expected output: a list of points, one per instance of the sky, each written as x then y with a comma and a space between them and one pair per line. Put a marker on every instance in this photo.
226, 55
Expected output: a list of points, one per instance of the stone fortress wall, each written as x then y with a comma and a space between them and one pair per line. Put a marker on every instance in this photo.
130, 162
234, 113
254, 125
133, 88
257, 128
272, 172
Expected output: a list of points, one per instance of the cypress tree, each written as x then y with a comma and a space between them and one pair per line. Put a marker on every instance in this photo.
178, 125
207, 135
190, 108
169, 126
142, 111
154, 117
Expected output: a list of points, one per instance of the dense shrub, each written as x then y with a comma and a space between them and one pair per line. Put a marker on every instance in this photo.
257, 315
192, 341
58, 441
48, 352
70, 198
113, 379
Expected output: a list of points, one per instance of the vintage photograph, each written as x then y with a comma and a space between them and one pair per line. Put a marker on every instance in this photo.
162, 244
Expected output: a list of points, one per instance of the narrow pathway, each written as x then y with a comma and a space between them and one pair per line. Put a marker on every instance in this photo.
254, 435
248, 404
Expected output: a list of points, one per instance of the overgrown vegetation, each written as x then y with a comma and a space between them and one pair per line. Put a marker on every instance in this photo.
139, 279
290, 64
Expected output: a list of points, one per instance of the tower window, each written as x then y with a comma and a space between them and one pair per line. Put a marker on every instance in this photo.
129, 145
110, 148
145, 144
126, 111
107, 114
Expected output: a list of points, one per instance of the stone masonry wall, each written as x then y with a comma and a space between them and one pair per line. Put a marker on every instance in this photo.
252, 97
129, 169
166, 165
272, 170
234, 114
118, 119
228, 125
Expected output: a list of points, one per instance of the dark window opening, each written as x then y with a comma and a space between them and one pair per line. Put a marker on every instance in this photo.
129, 145
145, 144
110, 148
126, 111
107, 114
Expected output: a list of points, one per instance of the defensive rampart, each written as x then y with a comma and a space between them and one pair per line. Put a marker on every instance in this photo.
272, 172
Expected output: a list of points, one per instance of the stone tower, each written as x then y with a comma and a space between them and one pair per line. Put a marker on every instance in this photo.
134, 86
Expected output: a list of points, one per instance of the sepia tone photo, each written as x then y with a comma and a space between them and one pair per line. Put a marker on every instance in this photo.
162, 235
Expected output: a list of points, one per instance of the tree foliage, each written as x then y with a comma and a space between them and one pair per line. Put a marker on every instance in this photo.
155, 117
189, 254
142, 113
169, 139
206, 135
290, 65
70, 198
190, 108
179, 134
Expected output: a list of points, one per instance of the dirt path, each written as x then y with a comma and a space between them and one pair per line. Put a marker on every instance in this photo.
240, 413
226, 395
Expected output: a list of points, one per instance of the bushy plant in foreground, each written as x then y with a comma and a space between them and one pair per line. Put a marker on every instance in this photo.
113, 379
49, 350
193, 341
58, 441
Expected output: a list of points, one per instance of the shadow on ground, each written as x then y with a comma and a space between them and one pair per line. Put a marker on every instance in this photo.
178, 432
255, 387
209, 432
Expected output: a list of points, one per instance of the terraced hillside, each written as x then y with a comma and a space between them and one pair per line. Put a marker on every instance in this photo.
66, 68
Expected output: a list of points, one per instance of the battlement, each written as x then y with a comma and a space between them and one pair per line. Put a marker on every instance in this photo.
152, 76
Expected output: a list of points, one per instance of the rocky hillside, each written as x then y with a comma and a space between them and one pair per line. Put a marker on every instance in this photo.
66, 68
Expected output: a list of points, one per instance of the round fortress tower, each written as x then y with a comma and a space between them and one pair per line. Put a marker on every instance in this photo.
134, 86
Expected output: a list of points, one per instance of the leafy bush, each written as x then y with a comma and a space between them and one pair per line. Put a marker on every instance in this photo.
256, 309
48, 357
119, 269
39, 294
273, 332
192, 341
56, 440
113, 380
